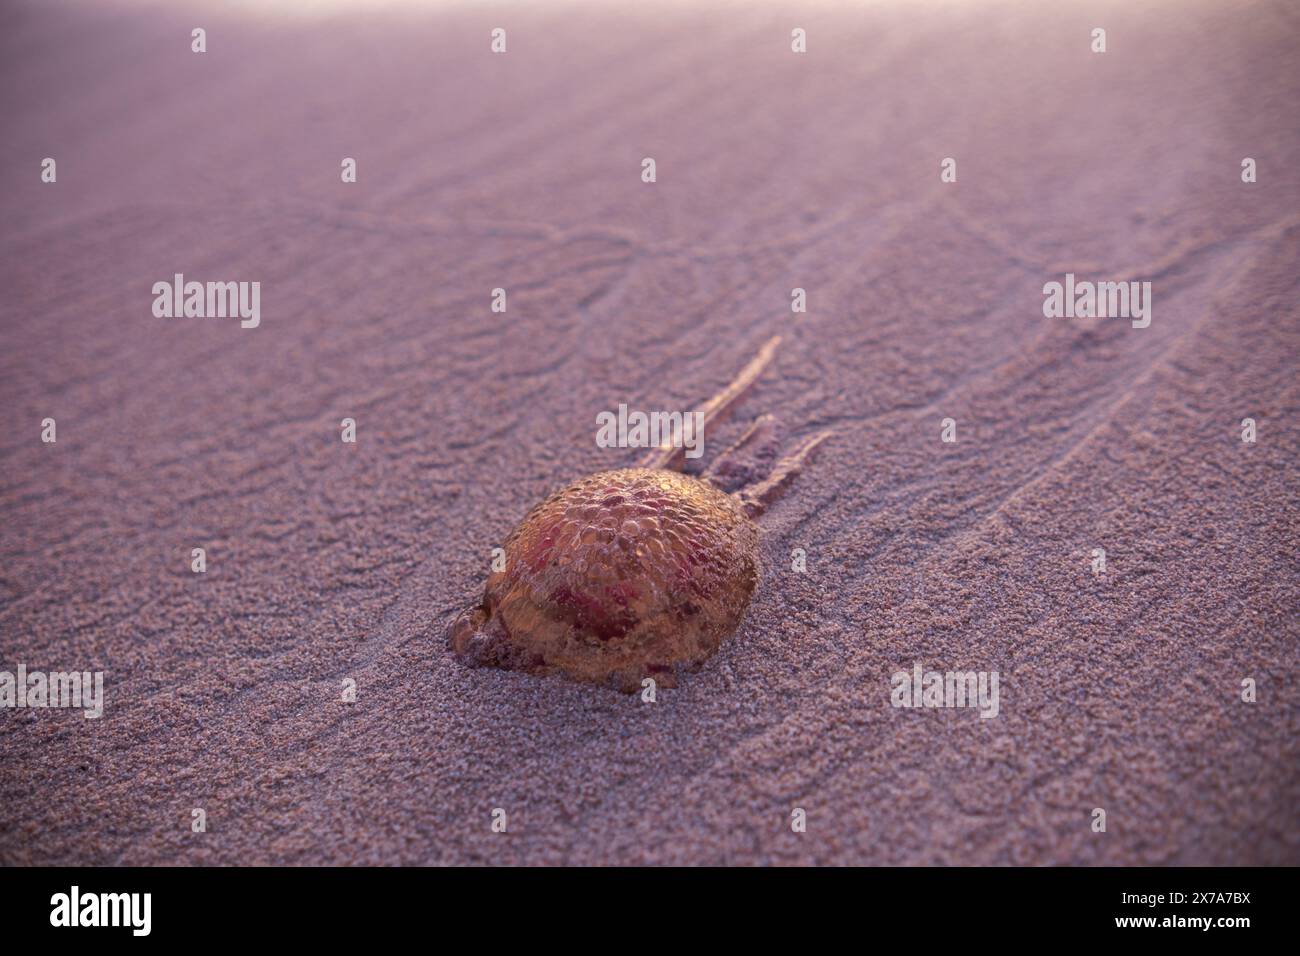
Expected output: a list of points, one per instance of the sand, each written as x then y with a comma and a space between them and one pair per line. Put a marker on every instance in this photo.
329, 561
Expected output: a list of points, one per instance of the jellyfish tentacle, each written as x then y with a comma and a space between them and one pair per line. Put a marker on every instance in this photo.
757, 498
737, 465
671, 453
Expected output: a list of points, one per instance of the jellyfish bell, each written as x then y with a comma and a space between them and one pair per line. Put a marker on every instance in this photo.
622, 575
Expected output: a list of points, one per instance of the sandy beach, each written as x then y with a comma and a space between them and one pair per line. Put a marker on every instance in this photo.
329, 562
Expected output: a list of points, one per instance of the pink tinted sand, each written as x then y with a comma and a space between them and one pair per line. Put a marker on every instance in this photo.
329, 561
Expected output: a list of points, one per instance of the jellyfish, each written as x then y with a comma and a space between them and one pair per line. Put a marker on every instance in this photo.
639, 572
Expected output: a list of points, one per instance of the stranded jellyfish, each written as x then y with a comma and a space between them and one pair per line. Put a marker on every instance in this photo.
638, 572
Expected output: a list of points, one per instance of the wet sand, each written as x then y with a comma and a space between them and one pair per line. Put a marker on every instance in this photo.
329, 561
